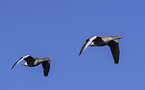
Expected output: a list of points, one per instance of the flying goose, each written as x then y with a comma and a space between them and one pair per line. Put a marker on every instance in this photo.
33, 61
102, 41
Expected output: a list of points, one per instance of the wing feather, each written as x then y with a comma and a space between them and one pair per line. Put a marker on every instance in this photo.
22, 58
46, 67
88, 42
114, 46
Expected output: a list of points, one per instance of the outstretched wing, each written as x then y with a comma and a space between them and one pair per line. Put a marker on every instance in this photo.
22, 58
88, 42
29, 59
114, 46
46, 67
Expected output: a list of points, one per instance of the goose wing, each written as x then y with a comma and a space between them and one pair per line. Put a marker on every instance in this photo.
22, 58
88, 41
29, 59
46, 67
114, 46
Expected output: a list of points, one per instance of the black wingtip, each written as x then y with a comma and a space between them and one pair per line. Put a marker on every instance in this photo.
12, 67
116, 62
45, 75
80, 53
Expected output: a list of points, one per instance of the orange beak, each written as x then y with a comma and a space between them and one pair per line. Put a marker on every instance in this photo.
120, 36
50, 59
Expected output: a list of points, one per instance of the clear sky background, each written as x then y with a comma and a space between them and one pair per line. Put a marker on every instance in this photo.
58, 29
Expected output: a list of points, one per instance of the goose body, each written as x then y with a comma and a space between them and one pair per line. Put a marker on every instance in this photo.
33, 61
102, 41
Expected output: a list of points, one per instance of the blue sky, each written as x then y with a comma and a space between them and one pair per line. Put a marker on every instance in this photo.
58, 29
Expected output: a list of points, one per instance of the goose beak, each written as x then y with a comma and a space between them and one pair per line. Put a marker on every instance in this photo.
120, 36
49, 59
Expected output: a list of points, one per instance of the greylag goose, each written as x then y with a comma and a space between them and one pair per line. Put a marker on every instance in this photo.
102, 41
33, 61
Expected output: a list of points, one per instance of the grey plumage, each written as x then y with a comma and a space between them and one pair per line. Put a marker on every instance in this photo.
102, 41
33, 61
